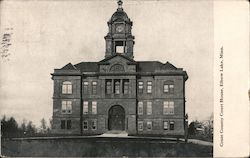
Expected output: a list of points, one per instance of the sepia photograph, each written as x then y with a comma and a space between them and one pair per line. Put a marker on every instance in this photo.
115, 78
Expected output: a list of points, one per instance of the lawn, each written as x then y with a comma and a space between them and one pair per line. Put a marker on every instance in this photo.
102, 147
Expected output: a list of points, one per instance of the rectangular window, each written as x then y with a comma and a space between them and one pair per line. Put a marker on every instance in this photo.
140, 108
125, 86
94, 107
165, 125
62, 124
85, 87
168, 107
149, 108
108, 87
94, 87
140, 125
85, 125
94, 124
149, 87
171, 107
66, 107
68, 124
149, 125
140, 87
117, 87
171, 124
168, 87
165, 107
85, 107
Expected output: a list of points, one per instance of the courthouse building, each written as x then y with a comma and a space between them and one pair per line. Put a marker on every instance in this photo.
119, 93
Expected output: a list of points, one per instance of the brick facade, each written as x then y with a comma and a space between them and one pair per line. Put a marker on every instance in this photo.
99, 91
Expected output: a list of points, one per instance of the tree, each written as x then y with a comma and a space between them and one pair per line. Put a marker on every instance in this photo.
191, 128
43, 125
9, 127
23, 128
3, 126
49, 126
50, 122
209, 126
13, 126
31, 129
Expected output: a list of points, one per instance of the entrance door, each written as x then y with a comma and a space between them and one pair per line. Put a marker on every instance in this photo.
116, 119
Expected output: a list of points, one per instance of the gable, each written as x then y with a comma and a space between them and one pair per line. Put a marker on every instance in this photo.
117, 64
69, 66
154, 66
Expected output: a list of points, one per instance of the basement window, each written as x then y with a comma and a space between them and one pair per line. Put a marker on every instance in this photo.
62, 124
68, 124
149, 125
85, 125
65, 124
140, 125
94, 124
165, 125
171, 124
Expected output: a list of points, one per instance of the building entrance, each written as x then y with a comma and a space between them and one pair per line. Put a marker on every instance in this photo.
116, 120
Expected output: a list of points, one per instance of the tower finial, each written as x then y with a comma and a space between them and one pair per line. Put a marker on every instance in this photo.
119, 4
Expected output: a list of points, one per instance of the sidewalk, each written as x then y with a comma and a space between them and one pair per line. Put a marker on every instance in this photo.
118, 134
201, 142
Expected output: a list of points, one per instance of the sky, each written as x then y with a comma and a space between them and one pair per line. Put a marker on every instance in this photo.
49, 34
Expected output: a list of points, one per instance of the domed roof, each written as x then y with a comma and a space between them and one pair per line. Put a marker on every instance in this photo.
119, 15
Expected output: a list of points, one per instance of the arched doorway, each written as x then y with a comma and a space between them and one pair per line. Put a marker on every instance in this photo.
116, 120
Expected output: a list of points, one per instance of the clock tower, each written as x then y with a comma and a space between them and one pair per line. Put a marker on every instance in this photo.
119, 38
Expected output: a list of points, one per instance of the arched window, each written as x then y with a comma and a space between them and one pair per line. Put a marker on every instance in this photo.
168, 87
67, 87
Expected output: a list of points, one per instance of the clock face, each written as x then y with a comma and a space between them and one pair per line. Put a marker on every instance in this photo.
120, 28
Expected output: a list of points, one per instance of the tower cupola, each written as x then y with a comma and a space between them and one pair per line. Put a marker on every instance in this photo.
119, 38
